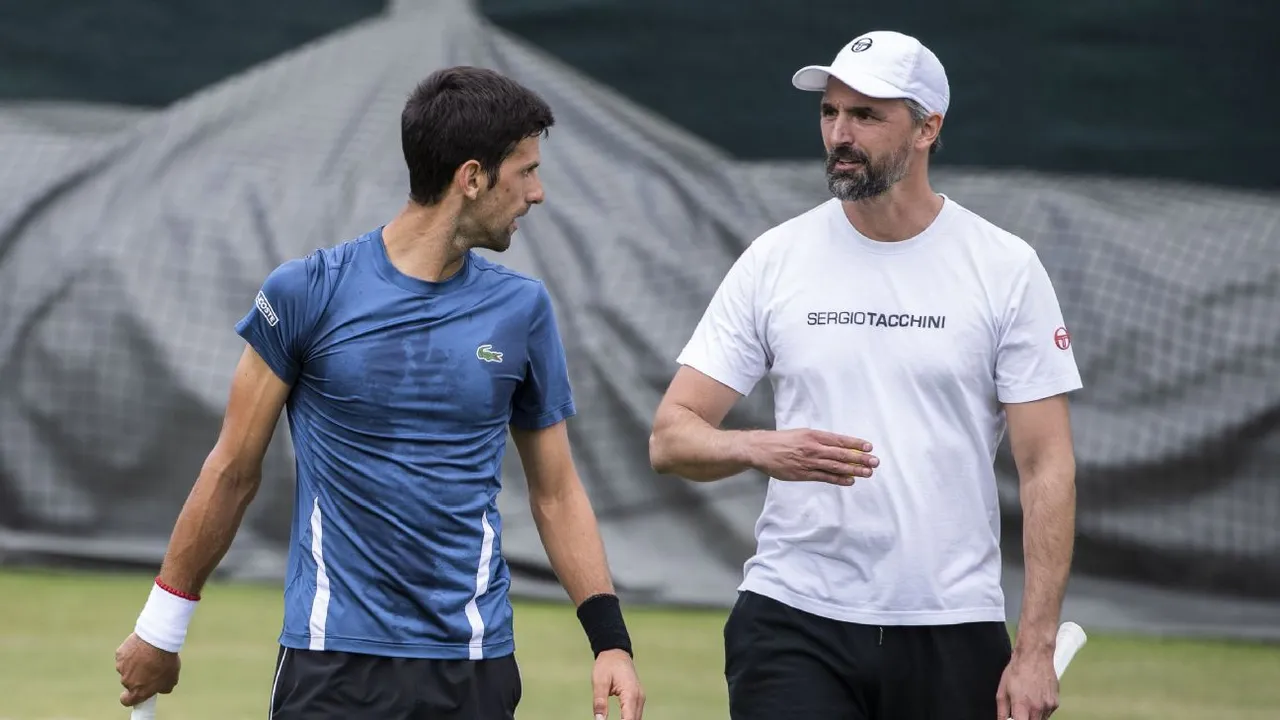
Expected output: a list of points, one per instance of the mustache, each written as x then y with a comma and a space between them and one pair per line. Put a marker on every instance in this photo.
846, 153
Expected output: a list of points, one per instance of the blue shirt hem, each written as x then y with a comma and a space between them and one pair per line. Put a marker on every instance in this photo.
283, 368
425, 651
546, 419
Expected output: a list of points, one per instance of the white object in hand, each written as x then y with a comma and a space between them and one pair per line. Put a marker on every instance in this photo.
1071, 638
145, 710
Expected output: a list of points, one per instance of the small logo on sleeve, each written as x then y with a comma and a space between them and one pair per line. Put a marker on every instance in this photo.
1062, 338
488, 354
265, 308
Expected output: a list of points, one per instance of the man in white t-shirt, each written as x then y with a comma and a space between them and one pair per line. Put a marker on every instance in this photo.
902, 334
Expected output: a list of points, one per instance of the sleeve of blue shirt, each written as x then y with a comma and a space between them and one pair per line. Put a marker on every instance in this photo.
545, 397
282, 316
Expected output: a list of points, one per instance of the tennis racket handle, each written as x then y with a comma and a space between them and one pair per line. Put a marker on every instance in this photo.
145, 710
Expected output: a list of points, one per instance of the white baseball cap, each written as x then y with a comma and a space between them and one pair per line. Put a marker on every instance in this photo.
884, 64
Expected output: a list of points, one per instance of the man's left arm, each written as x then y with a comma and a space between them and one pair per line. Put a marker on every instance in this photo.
1040, 439
563, 514
562, 511
567, 525
1035, 372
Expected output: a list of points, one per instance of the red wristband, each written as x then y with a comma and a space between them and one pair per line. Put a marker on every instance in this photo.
176, 592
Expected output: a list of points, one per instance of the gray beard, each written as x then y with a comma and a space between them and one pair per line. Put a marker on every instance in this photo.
872, 180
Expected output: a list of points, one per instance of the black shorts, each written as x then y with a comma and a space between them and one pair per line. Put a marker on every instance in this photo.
328, 685
785, 664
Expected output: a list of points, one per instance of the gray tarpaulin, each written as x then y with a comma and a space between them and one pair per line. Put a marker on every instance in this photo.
130, 243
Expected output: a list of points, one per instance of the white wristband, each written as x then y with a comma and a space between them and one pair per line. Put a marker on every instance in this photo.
164, 619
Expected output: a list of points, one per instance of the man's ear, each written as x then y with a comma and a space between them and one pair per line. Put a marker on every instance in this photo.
930, 129
470, 179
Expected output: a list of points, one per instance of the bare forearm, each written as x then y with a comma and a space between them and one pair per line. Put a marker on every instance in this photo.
684, 444
571, 537
1049, 503
206, 526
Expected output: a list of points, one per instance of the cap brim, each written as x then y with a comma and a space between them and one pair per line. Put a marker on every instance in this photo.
814, 78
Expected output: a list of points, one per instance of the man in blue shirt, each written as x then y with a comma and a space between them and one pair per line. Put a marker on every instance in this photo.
403, 358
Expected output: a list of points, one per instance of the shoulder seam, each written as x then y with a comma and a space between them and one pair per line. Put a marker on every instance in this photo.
993, 226
812, 215
509, 273
328, 280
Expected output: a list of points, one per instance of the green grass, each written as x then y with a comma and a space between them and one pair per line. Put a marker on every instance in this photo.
58, 634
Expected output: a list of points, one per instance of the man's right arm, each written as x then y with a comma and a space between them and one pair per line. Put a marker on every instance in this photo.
147, 660
687, 441
229, 478
722, 362
277, 330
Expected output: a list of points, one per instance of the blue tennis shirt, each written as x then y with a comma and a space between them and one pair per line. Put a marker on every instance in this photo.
402, 394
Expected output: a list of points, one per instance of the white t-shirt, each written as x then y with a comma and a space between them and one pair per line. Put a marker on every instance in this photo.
912, 346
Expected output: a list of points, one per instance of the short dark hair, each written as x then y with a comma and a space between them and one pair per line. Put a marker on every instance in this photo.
465, 113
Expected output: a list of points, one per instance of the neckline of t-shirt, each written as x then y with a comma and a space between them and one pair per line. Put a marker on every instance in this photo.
896, 247
391, 274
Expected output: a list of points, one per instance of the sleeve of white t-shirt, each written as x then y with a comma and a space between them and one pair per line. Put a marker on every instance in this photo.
1034, 359
727, 343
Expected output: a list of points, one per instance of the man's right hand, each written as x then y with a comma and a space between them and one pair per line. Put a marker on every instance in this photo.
145, 670
811, 456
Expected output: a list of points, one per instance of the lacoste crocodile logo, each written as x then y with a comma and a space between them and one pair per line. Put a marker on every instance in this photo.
488, 354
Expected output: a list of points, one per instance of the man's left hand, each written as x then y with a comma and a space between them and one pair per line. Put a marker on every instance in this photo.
1028, 688
614, 675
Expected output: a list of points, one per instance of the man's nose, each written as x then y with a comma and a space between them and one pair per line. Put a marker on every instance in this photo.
841, 132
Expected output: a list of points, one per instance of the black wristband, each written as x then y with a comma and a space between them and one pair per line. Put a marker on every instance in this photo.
601, 618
